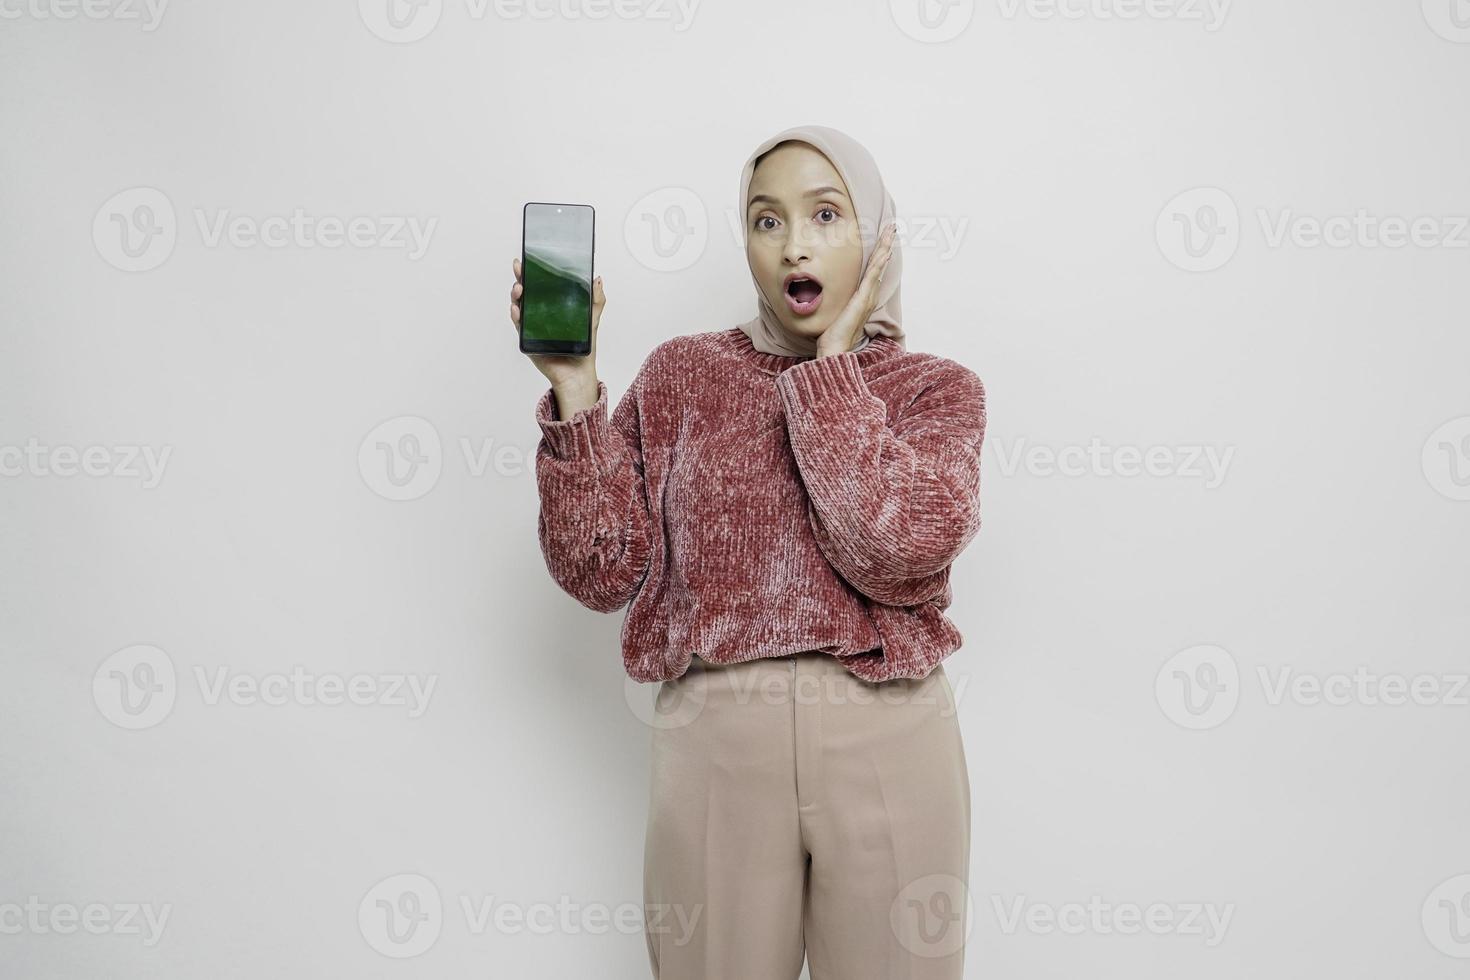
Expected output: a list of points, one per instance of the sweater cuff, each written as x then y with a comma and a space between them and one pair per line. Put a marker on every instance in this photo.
836, 378
588, 434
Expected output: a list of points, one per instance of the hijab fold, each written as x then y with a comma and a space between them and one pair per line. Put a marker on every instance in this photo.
875, 209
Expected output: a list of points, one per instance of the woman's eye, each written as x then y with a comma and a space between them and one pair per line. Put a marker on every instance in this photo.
828, 211
761, 227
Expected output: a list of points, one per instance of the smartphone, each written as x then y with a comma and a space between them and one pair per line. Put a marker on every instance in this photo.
557, 245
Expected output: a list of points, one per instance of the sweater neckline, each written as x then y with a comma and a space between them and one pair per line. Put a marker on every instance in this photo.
878, 347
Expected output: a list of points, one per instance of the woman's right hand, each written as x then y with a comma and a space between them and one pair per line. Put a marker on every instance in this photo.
573, 376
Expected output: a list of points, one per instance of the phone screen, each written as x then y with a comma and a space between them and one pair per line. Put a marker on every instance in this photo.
556, 274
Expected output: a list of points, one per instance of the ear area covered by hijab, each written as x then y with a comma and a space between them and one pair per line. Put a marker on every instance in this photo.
875, 209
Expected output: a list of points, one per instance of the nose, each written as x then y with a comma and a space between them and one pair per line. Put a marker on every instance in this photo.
796, 249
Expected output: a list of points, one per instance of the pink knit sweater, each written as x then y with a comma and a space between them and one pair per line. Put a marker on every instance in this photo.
755, 505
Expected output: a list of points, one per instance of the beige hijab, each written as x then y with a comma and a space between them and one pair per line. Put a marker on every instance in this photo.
859, 171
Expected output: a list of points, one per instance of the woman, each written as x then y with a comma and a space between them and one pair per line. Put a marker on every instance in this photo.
781, 503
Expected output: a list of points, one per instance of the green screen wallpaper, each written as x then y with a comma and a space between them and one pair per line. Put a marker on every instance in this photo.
557, 272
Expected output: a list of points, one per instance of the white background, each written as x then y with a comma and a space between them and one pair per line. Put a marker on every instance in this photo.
1064, 155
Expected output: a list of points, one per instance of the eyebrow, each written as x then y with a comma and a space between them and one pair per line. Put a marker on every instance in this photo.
814, 192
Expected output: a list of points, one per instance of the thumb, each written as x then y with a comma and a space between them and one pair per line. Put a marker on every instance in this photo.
599, 299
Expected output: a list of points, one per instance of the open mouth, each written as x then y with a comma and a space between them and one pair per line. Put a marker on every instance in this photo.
803, 294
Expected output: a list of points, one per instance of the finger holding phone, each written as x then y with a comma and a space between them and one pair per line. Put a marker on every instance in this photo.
556, 304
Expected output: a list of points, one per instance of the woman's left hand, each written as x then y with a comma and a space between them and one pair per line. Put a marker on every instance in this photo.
847, 329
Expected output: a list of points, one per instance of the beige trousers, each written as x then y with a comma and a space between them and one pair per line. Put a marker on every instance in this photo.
797, 810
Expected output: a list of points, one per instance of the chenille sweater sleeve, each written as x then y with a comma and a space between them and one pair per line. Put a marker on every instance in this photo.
594, 525
891, 506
